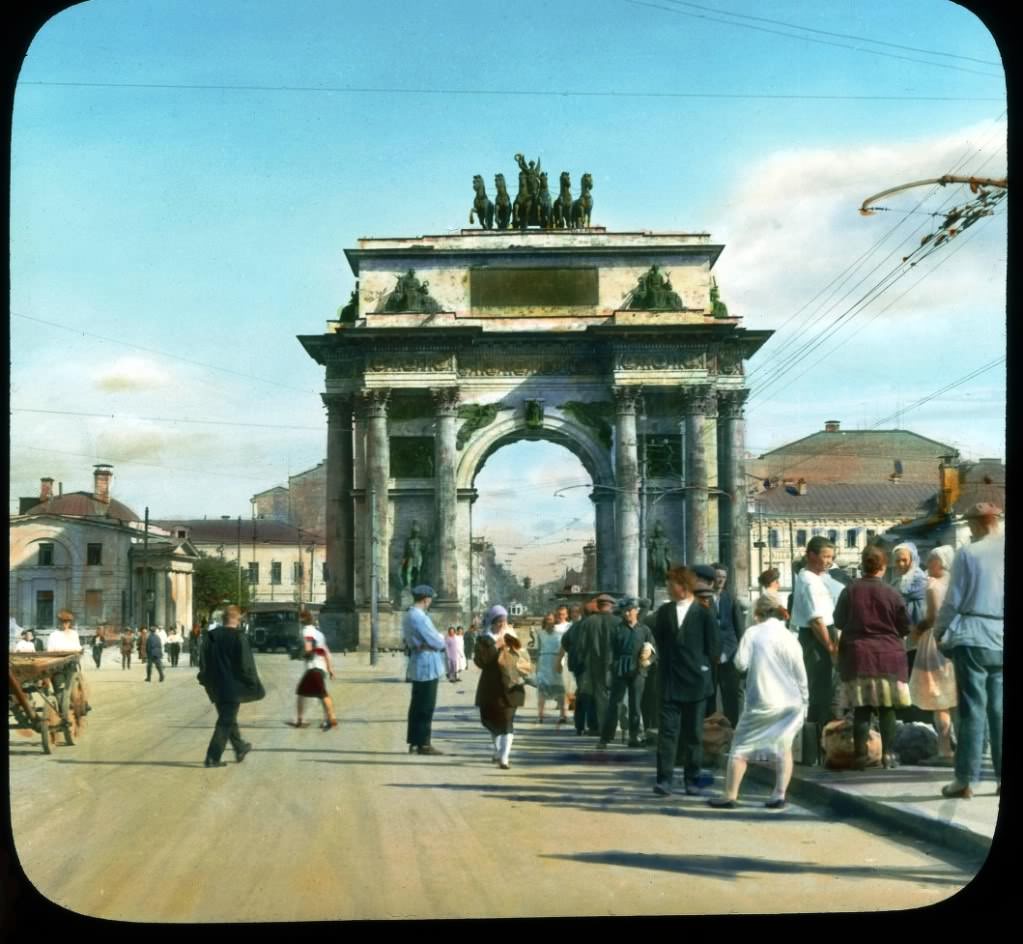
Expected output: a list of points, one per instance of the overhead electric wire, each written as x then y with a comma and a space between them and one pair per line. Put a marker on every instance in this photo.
808, 39
541, 93
170, 419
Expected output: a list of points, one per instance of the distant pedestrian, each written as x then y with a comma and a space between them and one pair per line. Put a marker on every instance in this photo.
813, 616
550, 685
97, 647
731, 625
127, 646
173, 646
932, 679
501, 689
873, 620
584, 709
770, 580
154, 656
425, 648
64, 639
628, 672
228, 673
970, 630
194, 644
27, 642
143, 638
319, 665
686, 637
777, 698
471, 635
451, 655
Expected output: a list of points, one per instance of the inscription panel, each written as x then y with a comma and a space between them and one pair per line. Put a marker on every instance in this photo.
491, 290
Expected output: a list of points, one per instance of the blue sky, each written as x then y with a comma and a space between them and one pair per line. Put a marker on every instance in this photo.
204, 226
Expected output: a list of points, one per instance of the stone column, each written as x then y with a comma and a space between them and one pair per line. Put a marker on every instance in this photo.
604, 507
696, 404
446, 494
732, 513
627, 497
340, 511
378, 475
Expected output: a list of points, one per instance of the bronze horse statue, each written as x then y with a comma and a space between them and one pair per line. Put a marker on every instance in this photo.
482, 206
582, 207
543, 204
502, 203
523, 206
562, 212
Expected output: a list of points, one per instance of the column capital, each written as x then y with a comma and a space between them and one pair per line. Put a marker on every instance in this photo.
731, 403
337, 403
374, 402
627, 398
697, 399
446, 400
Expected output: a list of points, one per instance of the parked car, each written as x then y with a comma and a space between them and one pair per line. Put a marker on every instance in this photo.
276, 628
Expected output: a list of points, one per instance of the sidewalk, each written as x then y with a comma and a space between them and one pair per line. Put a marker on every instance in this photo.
907, 799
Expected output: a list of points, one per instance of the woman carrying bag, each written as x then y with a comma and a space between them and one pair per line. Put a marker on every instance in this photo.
504, 665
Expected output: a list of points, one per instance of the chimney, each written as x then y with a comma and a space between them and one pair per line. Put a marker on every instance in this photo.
101, 479
801, 486
60, 488
45, 489
948, 484
831, 426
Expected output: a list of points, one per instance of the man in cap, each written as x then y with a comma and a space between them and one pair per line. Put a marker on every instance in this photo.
731, 625
591, 644
425, 647
969, 629
632, 646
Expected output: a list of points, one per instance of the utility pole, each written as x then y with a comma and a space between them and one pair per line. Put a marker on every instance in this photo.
254, 584
145, 571
374, 615
642, 504
239, 560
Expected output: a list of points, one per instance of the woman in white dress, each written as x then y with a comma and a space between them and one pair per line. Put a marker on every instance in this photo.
549, 682
776, 701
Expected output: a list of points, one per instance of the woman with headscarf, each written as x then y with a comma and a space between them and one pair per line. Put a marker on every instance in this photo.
932, 681
871, 655
501, 689
550, 684
908, 578
777, 698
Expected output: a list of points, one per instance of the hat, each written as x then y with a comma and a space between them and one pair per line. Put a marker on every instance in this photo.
628, 603
494, 613
605, 598
983, 510
422, 591
705, 572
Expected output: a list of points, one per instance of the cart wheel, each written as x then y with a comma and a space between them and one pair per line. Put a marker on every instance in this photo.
44, 729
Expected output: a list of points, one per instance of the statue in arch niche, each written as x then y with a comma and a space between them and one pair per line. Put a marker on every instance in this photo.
659, 554
412, 558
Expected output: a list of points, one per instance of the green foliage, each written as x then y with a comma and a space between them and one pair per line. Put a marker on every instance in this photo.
215, 580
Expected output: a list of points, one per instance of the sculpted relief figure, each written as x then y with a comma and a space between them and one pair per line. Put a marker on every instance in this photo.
410, 295
412, 559
659, 554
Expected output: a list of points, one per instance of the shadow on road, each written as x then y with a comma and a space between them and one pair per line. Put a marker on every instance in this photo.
729, 867
134, 763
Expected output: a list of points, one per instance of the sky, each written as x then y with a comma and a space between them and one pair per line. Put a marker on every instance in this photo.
186, 176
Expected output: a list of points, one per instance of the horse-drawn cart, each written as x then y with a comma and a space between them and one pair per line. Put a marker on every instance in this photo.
46, 695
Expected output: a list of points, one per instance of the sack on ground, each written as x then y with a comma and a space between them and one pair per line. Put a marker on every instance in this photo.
915, 742
837, 745
717, 734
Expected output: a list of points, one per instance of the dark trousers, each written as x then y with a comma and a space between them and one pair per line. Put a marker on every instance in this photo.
979, 688
174, 651
193, 652
149, 668
585, 715
226, 730
861, 729
727, 682
680, 737
651, 706
819, 673
631, 685
125, 659
420, 713
97, 656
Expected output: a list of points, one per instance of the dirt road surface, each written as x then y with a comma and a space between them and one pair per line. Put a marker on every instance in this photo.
346, 824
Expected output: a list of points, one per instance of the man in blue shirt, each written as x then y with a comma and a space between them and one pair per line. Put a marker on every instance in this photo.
425, 648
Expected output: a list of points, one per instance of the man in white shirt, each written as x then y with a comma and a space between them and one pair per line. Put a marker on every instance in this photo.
64, 638
813, 610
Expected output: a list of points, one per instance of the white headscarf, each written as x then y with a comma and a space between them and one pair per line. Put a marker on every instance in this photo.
945, 554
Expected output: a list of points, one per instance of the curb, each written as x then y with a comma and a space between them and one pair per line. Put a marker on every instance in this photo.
893, 816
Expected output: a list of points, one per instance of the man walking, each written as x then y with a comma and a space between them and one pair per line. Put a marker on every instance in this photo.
686, 636
969, 630
127, 645
591, 644
425, 647
154, 655
228, 673
813, 615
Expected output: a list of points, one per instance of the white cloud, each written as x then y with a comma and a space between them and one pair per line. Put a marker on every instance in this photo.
131, 374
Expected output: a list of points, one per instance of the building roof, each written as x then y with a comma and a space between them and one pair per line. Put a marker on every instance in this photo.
83, 505
269, 491
982, 481
868, 443
881, 500
219, 531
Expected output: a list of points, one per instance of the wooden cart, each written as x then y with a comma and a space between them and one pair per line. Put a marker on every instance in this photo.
46, 694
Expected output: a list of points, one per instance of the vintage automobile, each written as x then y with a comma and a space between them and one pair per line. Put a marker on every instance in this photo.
275, 626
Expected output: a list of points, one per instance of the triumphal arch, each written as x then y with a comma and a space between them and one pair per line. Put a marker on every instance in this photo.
614, 345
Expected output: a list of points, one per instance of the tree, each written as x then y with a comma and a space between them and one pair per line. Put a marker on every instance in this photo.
214, 582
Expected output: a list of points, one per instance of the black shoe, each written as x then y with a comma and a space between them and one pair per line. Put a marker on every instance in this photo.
214, 763
722, 803
601, 745
428, 749
662, 789
693, 790
240, 754
778, 804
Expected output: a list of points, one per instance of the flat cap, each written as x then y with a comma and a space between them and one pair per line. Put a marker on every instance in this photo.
983, 510
628, 603
422, 591
606, 598
705, 572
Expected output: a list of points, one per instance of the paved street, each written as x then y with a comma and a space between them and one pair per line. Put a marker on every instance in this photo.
345, 824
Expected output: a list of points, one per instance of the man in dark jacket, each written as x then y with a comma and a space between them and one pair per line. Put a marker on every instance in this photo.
730, 626
628, 671
154, 656
585, 714
228, 673
591, 646
688, 646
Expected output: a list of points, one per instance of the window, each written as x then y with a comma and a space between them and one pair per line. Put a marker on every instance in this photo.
44, 608
93, 554
45, 556
182, 534
773, 538
93, 607
850, 537
833, 536
801, 537
275, 572
296, 572
253, 572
